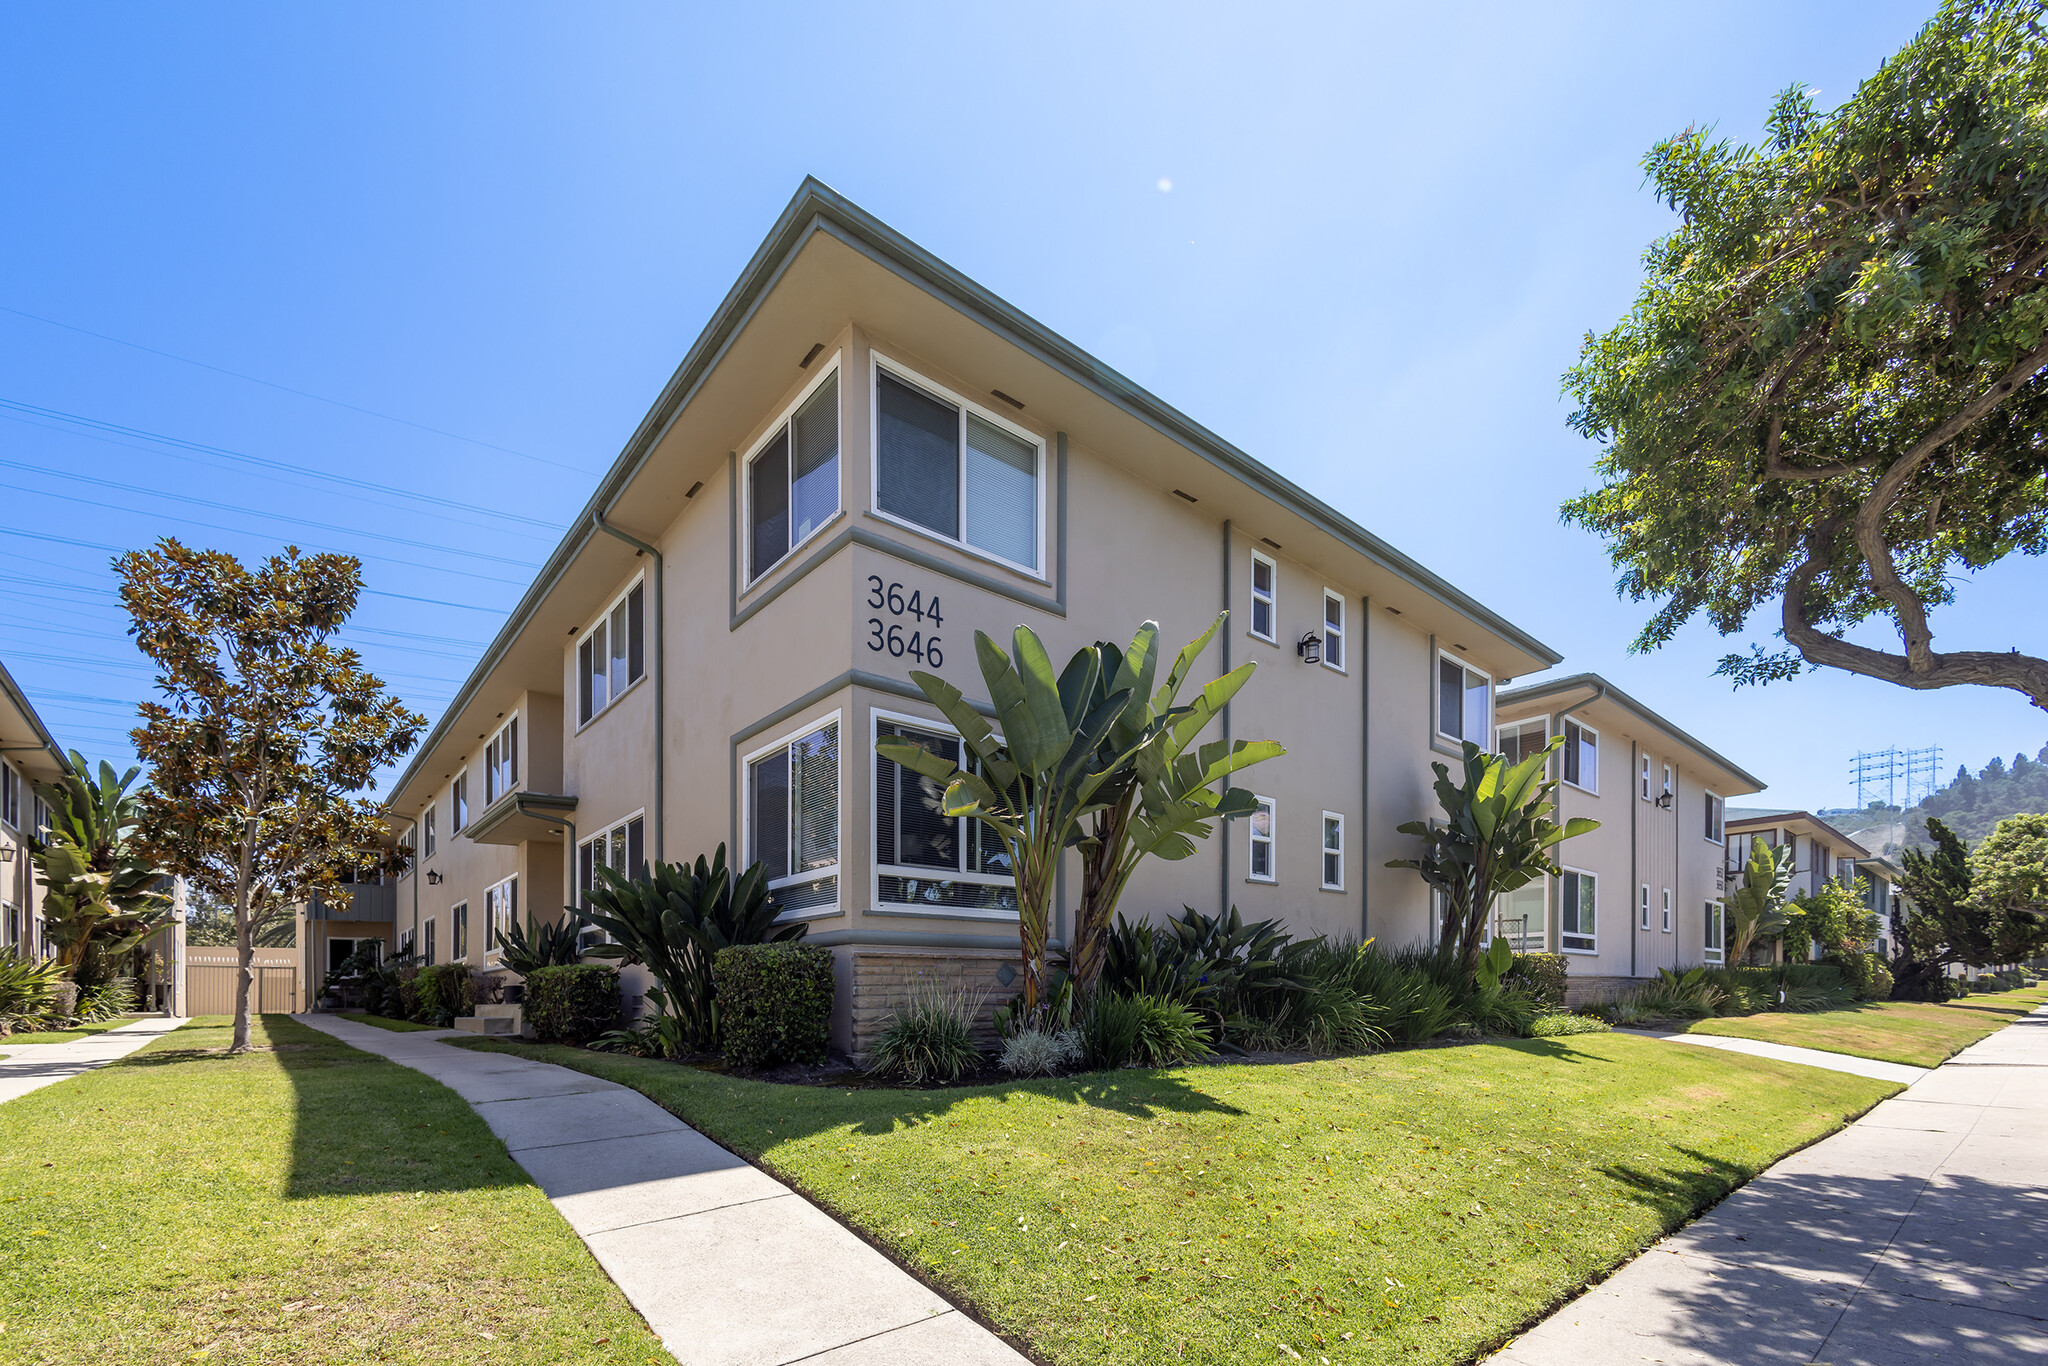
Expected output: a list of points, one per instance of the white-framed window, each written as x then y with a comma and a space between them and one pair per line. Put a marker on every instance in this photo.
1333, 852
1667, 780
406, 937
1265, 608
1522, 916
792, 816
1644, 775
792, 475
427, 823
10, 924
612, 654
458, 803
1517, 740
1576, 918
501, 761
458, 932
926, 860
1717, 943
427, 943
1644, 922
1262, 867
1667, 910
1582, 756
10, 796
954, 469
501, 915
621, 847
1845, 871
1716, 811
1333, 630
1464, 699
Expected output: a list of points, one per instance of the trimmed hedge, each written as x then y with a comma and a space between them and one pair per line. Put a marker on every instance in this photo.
1868, 977
577, 1002
774, 1003
1540, 976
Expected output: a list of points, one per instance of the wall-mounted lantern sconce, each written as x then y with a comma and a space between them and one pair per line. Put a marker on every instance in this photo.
1310, 648
1664, 802
6, 853
434, 877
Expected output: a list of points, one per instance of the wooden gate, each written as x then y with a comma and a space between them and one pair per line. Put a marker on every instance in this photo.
210, 981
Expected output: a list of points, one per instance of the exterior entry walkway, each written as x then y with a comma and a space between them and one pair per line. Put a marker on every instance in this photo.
1917, 1234
728, 1265
30, 1066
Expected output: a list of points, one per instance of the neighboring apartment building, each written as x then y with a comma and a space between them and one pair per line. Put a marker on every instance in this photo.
1820, 854
864, 459
28, 755
1647, 889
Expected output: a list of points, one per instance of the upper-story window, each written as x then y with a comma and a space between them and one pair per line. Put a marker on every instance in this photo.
1333, 631
501, 761
793, 816
1265, 598
458, 803
792, 478
1464, 700
1644, 775
956, 470
10, 796
1520, 739
427, 823
1582, 756
1716, 811
1667, 780
614, 655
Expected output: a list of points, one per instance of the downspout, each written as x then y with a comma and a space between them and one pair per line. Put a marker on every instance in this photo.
1223, 908
1556, 931
660, 673
1365, 773
568, 854
1635, 803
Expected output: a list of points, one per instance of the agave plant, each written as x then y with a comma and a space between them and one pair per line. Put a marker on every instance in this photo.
674, 918
28, 987
539, 945
100, 894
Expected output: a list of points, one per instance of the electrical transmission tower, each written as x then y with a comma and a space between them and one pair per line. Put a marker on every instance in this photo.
1922, 774
1876, 773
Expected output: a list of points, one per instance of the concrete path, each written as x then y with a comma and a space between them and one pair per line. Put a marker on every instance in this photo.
728, 1265
1811, 1057
1918, 1234
29, 1067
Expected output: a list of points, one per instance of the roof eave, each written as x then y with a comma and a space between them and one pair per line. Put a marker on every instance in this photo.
1537, 691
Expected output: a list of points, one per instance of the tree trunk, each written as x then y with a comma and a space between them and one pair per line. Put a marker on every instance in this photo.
245, 972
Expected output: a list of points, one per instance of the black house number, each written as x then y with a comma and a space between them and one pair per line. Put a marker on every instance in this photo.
892, 635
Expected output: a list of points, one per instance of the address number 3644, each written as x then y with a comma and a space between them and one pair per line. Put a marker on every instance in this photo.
887, 631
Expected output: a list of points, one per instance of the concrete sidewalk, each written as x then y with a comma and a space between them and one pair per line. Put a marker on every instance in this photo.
31, 1066
1811, 1057
728, 1265
1917, 1234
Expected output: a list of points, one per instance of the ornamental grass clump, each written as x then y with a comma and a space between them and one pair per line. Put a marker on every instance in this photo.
1041, 1052
931, 1038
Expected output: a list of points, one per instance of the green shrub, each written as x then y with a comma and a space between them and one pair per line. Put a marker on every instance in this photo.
1498, 1010
28, 988
931, 1038
1169, 1033
775, 1003
104, 1000
1554, 1024
442, 992
1540, 977
1865, 973
1109, 1030
574, 1003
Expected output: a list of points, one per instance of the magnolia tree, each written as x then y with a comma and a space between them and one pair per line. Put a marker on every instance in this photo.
267, 733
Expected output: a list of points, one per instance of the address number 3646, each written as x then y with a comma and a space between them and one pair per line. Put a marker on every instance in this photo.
887, 631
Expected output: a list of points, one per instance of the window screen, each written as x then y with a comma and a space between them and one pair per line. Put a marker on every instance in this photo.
1262, 841
794, 791
1576, 915
1333, 852
1002, 493
924, 857
1581, 756
1333, 630
1524, 738
1263, 596
768, 497
918, 452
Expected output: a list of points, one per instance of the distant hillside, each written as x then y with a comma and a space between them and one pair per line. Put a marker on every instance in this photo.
1970, 805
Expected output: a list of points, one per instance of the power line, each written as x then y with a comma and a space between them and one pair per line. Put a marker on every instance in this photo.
287, 389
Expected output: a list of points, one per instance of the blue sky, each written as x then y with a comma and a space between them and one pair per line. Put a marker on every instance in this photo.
451, 252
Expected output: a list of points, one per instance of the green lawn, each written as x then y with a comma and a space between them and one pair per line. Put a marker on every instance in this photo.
67, 1035
1417, 1206
383, 1021
304, 1203
1911, 1032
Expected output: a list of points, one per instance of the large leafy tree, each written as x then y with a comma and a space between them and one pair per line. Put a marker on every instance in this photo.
2009, 880
102, 893
1976, 909
267, 733
1828, 391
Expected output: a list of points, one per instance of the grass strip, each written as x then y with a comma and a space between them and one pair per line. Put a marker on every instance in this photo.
1916, 1033
1417, 1206
85, 1031
384, 1022
303, 1203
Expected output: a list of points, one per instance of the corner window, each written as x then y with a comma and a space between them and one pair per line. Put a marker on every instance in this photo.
1333, 852
458, 932
792, 477
621, 848
1716, 945
957, 471
1464, 700
1667, 910
1261, 828
925, 859
458, 803
1716, 811
1333, 631
501, 915
1582, 756
793, 817
427, 833
1265, 597
501, 761
1519, 739
1575, 919
1644, 922
613, 655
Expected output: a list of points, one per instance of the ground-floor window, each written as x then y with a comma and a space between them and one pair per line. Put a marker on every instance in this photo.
1260, 868
10, 924
339, 951
1644, 922
923, 857
1520, 916
1333, 852
1575, 917
1667, 910
501, 914
1716, 945
793, 816
427, 945
621, 848
458, 932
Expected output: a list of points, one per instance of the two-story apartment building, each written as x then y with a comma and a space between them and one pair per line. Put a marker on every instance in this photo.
1820, 854
864, 459
28, 755
1646, 890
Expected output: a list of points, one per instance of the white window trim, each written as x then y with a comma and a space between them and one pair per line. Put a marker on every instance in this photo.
490, 798
1584, 729
837, 871
877, 870
1643, 901
1436, 697
1667, 910
492, 952
459, 815
463, 956
10, 776
1711, 798
1501, 728
877, 363
768, 434
1670, 783
575, 698
1331, 595
1561, 931
1272, 878
1323, 837
1643, 778
1272, 599
1714, 955
426, 934
428, 821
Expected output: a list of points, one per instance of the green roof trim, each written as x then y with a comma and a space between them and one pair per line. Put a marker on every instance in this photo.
1552, 686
